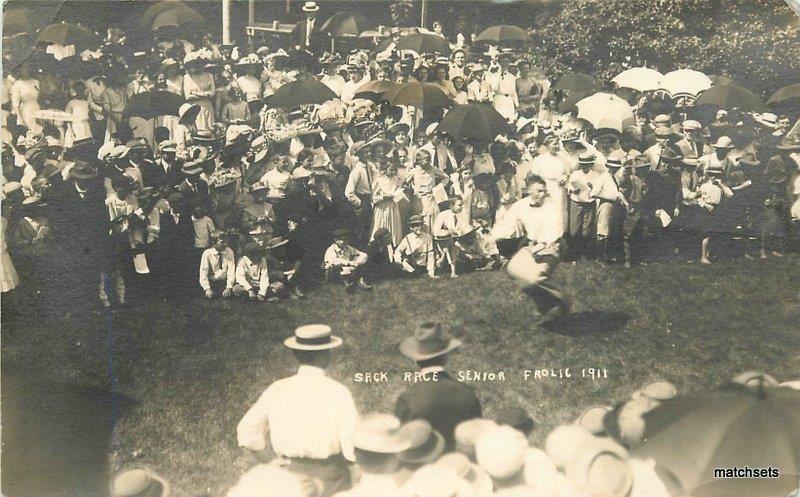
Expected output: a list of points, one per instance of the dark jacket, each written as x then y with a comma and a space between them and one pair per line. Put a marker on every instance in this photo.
443, 403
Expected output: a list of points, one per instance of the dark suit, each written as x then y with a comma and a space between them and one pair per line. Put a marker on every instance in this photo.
196, 195
155, 174
443, 403
174, 255
315, 40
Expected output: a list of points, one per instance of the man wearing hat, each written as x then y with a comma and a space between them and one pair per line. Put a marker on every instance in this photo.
606, 192
718, 159
311, 419
415, 252
692, 144
343, 261
167, 169
358, 190
194, 188
307, 33
634, 191
662, 135
437, 398
582, 206
532, 267
378, 441
217, 268
477, 89
257, 206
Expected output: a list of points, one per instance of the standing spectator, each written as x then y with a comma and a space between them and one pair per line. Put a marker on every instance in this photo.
441, 400
386, 213
25, 98
582, 206
199, 88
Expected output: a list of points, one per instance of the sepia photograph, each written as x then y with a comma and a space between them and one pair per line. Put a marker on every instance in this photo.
400, 248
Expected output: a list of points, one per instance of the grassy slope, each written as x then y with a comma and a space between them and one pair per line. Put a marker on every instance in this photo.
192, 371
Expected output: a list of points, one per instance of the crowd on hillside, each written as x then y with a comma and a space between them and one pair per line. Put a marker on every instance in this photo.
235, 192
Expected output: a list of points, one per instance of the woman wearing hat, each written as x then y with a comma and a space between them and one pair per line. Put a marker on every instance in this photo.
25, 98
385, 211
702, 214
199, 87
248, 70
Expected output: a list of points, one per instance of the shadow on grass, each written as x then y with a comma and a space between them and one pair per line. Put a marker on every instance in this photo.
587, 323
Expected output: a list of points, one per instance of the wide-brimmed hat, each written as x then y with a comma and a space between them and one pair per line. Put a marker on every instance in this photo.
561, 443
139, 483
659, 390
167, 146
380, 433
193, 167
313, 337
425, 443
524, 121
690, 161
500, 451
614, 162
601, 464
398, 128
768, 119
467, 432
789, 144
670, 154
187, 113
429, 341
205, 136
83, 170
723, 142
591, 419
275, 242
310, 7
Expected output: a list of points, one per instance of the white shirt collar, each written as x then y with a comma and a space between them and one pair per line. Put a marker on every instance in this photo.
308, 370
432, 369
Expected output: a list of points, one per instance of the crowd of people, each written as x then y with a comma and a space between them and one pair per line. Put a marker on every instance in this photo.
237, 195
308, 439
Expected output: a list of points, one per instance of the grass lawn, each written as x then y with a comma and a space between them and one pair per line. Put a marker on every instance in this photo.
189, 372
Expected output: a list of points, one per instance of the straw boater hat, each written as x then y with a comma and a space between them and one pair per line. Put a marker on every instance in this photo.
380, 433
313, 337
426, 444
429, 341
310, 7
139, 483
588, 158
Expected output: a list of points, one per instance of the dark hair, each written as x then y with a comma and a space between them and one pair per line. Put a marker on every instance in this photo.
535, 178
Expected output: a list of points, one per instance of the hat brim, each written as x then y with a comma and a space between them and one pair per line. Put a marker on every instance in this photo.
408, 348
428, 456
281, 244
292, 343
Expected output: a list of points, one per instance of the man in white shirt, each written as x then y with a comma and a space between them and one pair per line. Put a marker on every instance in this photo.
606, 192
582, 207
532, 267
252, 277
310, 417
415, 251
218, 268
345, 262
477, 90
358, 190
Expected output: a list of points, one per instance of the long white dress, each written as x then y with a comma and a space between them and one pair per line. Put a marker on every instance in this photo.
78, 128
25, 103
386, 212
201, 83
554, 171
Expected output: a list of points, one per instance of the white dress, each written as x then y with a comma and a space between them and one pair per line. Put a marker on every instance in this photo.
201, 83
78, 128
25, 103
554, 171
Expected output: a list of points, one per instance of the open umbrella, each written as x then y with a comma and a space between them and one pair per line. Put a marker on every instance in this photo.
576, 81
346, 24
728, 94
177, 15
423, 43
151, 104
478, 122
733, 426
156, 8
68, 34
639, 79
302, 92
375, 89
16, 21
685, 83
419, 95
786, 93
606, 111
501, 34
